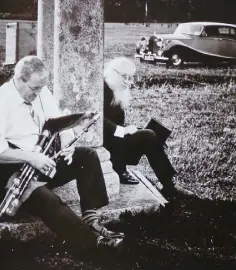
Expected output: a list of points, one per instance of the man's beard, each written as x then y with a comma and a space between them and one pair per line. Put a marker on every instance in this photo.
121, 97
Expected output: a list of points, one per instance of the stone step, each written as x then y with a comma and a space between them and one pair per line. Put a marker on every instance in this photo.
132, 200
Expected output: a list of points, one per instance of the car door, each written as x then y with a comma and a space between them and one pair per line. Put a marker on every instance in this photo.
218, 41
227, 41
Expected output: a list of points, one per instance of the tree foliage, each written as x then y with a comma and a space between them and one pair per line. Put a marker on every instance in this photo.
170, 10
134, 10
19, 8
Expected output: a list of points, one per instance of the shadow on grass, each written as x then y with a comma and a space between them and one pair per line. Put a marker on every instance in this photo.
184, 81
185, 234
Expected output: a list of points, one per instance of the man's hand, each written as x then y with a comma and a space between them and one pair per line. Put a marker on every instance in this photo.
41, 162
68, 153
66, 137
130, 129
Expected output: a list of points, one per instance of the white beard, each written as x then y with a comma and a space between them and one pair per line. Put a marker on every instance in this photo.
121, 98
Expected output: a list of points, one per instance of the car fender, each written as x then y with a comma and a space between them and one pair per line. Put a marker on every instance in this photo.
181, 46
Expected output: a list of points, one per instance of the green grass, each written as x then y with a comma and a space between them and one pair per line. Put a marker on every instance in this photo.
120, 39
201, 114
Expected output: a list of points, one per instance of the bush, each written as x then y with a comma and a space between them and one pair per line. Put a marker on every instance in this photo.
6, 72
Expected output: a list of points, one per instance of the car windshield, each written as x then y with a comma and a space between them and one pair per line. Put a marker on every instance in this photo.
189, 29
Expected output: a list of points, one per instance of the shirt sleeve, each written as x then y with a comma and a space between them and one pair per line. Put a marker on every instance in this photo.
120, 132
51, 109
3, 125
50, 105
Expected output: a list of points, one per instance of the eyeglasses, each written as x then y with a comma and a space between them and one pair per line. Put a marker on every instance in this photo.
126, 77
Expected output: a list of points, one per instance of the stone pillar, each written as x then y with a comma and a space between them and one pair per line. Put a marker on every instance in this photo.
78, 71
45, 36
78, 58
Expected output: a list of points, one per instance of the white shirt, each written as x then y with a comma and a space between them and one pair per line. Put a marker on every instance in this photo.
16, 123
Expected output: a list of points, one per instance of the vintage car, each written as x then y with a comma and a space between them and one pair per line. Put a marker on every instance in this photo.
206, 42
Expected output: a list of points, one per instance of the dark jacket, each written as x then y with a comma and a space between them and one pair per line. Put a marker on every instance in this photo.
113, 116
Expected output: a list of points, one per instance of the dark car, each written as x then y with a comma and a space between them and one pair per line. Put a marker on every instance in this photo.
206, 42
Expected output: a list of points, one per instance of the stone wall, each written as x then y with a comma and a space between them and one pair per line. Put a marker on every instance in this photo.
27, 38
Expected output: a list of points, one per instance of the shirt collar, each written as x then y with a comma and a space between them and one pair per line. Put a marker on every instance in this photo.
18, 98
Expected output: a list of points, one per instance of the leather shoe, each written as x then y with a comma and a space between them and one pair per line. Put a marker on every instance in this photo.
177, 191
127, 179
103, 231
110, 243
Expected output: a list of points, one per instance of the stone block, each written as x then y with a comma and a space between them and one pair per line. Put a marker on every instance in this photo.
113, 185
103, 154
107, 166
78, 59
132, 200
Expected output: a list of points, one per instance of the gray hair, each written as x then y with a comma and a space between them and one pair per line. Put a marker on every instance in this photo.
27, 66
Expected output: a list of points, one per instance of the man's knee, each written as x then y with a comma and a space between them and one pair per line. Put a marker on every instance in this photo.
84, 152
43, 198
149, 141
147, 135
85, 157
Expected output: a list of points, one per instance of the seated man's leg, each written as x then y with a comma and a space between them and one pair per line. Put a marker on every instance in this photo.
59, 217
120, 168
147, 143
63, 221
120, 150
86, 169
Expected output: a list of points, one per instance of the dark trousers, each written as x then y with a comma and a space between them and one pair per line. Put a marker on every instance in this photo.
43, 203
128, 151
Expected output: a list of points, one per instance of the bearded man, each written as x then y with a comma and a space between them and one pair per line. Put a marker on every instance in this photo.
127, 143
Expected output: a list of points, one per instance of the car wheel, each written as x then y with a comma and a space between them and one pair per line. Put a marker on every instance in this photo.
175, 60
141, 60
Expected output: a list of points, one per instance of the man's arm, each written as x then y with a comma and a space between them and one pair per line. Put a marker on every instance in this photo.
37, 160
111, 129
52, 110
15, 156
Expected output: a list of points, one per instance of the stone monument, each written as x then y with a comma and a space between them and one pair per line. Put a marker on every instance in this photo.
70, 42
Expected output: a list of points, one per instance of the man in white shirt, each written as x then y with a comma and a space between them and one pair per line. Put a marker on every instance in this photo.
25, 104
